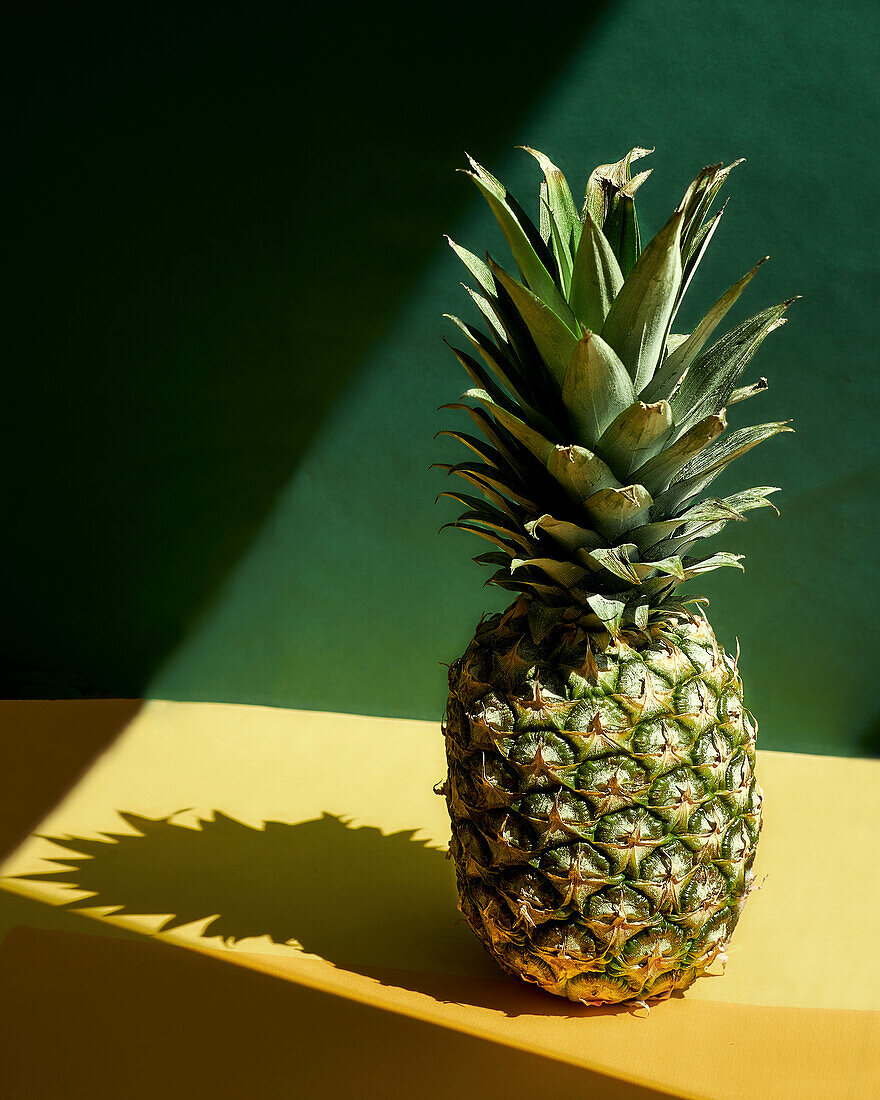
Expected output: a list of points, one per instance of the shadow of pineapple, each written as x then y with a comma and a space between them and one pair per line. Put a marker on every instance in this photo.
381, 905
377, 904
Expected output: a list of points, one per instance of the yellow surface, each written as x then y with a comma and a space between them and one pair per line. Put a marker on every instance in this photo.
338, 895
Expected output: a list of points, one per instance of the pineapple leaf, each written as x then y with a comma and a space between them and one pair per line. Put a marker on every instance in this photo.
565, 573
524, 245
504, 371
580, 472
484, 477
610, 202
553, 338
596, 277
608, 180
565, 224
712, 377
651, 537
614, 511
609, 610
745, 392
657, 472
616, 561
701, 471
638, 322
544, 214
680, 358
475, 266
482, 379
694, 567
669, 566
622, 230
532, 440
515, 458
692, 201
563, 263
541, 619
525, 583
706, 187
749, 499
689, 268
603, 428
492, 557
480, 448
724, 451
517, 345
475, 504
637, 610
495, 521
568, 535
635, 435
491, 317
595, 387
512, 549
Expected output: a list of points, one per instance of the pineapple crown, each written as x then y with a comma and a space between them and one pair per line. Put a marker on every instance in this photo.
601, 428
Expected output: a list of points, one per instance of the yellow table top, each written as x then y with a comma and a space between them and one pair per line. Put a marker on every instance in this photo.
309, 846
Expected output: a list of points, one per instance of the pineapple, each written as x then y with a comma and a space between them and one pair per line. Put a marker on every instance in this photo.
601, 785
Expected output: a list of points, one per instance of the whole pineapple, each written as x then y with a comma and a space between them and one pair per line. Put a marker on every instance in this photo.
601, 763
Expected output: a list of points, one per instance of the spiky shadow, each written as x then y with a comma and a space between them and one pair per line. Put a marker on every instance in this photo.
375, 904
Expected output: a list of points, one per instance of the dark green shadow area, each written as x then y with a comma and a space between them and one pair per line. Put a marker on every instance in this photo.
348, 600
382, 905
212, 220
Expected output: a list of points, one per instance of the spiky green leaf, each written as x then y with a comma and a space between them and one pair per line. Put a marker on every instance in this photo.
635, 435
615, 511
568, 535
638, 322
616, 560
488, 478
712, 377
609, 610
522, 243
580, 472
708, 184
475, 266
566, 573
610, 202
658, 471
553, 338
596, 277
536, 443
745, 392
721, 560
701, 471
564, 217
595, 387
680, 358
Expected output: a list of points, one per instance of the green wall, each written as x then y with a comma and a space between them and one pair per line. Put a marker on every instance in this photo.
213, 217
235, 370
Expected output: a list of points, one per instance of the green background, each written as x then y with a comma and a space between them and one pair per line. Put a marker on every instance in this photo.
225, 355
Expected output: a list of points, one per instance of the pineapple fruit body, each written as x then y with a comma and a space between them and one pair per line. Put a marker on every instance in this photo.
603, 802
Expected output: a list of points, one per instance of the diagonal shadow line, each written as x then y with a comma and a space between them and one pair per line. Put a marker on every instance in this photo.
225, 234
45, 746
88, 1017
379, 905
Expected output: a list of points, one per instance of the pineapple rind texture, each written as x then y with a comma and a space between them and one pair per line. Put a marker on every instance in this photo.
604, 808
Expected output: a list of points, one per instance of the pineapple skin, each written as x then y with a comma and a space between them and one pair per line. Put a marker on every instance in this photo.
604, 808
